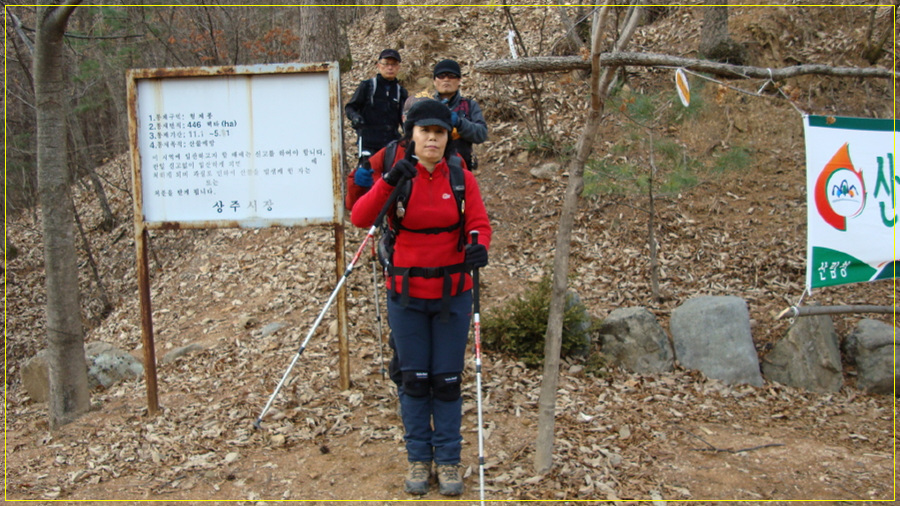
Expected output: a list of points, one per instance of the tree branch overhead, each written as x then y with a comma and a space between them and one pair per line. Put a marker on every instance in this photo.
566, 63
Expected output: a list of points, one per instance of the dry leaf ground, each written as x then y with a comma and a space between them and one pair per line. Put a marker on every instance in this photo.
675, 437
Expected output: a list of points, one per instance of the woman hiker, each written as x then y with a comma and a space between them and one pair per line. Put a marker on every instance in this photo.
430, 289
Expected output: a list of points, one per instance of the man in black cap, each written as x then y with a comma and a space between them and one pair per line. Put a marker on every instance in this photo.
375, 109
469, 126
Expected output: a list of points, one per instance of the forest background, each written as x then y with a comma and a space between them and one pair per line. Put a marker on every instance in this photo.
733, 207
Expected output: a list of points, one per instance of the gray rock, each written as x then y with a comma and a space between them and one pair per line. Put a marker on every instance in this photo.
272, 328
712, 334
633, 338
180, 352
36, 378
807, 357
873, 345
106, 366
545, 171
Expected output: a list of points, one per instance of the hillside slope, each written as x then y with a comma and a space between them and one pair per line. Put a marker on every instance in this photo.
737, 231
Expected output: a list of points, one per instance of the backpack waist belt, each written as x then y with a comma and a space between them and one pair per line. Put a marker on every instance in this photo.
430, 272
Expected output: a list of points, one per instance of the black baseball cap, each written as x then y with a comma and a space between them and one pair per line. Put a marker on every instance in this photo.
390, 53
448, 66
427, 112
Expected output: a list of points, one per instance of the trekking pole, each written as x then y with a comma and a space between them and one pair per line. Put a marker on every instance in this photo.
343, 279
476, 318
377, 307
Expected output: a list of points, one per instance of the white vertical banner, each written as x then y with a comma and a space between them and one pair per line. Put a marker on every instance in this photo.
851, 200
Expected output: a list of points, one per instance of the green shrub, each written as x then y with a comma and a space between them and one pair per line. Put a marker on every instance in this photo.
518, 328
602, 177
735, 159
544, 146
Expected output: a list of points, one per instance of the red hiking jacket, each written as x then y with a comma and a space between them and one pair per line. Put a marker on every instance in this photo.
431, 205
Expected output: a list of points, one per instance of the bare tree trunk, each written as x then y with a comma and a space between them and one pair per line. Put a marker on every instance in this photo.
715, 26
69, 394
571, 32
89, 253
78, 139
543, 458
392, 19
321, 36
873, 48
651, 228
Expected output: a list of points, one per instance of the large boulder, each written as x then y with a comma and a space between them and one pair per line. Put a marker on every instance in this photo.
106, 366
712, 335
872, 346
807, 357
633, 338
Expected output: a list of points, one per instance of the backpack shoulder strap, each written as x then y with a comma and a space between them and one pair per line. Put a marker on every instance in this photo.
458, 181
458, 185
372, 89
463, 106
390, 152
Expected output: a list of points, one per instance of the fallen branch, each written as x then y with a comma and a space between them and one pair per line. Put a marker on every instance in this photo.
566, 63
795, 311
726, 450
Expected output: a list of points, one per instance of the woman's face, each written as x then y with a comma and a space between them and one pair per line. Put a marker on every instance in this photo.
431, 140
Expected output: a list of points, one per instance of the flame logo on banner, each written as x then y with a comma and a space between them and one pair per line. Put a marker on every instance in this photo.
840, 191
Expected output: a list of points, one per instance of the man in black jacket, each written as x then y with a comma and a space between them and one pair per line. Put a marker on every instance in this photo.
375, 108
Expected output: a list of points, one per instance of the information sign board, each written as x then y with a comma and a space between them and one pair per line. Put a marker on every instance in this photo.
249, 146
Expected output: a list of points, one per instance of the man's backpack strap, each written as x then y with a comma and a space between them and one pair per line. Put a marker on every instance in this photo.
372, 89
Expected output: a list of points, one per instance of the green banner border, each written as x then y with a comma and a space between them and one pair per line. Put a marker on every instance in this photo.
847, 123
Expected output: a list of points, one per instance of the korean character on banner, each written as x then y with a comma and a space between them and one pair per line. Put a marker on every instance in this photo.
269, 204
252, 205
234, 205
266, 171
156, 193
290, 171
219, 206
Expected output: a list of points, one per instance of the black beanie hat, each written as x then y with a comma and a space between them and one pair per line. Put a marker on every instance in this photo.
425, 113
447, 66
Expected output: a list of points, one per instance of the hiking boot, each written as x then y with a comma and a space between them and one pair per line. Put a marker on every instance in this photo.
449, 479
417, 478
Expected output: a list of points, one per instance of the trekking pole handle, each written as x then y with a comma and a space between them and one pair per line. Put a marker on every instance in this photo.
391, 199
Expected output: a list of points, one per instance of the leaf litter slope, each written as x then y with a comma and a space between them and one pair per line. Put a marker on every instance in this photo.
620, 436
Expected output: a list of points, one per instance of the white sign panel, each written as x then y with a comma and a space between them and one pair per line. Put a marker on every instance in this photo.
244, 149
852, 186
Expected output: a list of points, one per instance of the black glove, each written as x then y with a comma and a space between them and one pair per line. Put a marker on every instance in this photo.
476, 255
403, 169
